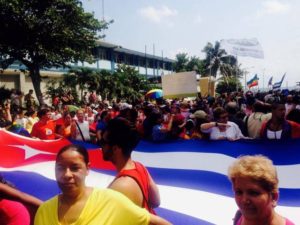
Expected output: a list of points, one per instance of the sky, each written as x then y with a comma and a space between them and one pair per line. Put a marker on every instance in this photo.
168, 27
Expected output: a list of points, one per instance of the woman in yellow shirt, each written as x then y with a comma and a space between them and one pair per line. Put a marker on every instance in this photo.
82, 205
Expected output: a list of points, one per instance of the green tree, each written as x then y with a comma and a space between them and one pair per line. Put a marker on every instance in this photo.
196, 64
84, 78
131, 85
108, 85
181, 62
228, 84
45, 34
217, 60
54, 88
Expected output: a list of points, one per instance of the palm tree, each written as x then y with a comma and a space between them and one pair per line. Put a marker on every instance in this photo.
217, 61
181, 62
196, 64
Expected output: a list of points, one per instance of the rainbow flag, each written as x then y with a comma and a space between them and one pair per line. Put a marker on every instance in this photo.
253, 82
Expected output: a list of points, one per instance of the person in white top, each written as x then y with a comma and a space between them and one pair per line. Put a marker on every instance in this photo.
222, 129
80, 129
289, 105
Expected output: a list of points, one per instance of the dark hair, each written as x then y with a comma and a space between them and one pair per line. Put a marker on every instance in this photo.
103, 114
276, 105
231, 108
122, 133
294, 115
30, 112
218, 112
259, 106
66, 113
78, 148
42, 112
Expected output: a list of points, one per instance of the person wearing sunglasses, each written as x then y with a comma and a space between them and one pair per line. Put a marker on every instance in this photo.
133, 179
221, 128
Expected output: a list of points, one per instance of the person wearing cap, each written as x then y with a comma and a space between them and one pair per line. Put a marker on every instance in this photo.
221, 128
197, 118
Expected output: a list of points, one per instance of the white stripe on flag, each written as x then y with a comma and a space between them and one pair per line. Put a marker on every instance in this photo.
213, 208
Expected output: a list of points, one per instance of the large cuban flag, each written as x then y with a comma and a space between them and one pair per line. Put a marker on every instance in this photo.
191, 175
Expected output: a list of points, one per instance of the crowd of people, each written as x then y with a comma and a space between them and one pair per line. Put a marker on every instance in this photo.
118, 126
229, 116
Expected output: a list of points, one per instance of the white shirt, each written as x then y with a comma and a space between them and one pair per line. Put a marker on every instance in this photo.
274, 134
85, 129
232, 132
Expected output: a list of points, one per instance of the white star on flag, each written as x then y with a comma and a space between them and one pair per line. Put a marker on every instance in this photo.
30, 152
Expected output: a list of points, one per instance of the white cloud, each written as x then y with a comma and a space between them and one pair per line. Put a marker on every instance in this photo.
198, 19
274, 7
157, 15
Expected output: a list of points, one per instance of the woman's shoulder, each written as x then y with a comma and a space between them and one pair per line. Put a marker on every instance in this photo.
51, 201
49, 206
105, 195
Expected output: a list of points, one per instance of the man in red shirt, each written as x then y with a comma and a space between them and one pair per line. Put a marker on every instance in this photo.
44, 129
133, 179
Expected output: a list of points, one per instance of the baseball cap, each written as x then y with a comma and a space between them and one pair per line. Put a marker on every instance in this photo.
199, 114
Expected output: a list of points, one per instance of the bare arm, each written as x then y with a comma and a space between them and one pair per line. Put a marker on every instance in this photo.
7, 111
154, 196
206, 126
73, 130
156, 220
169, 126
10, 193
99, 135
128, 187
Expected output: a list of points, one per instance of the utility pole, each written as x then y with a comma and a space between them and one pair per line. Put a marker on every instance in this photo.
103, 18
264, 79
146, 60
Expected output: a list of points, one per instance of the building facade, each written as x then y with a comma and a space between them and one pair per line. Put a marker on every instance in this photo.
108, 56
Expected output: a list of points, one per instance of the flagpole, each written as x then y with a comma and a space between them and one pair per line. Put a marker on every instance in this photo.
236, 76
245, 80
264, 79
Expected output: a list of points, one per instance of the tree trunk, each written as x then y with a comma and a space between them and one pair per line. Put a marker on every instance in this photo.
36, 82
